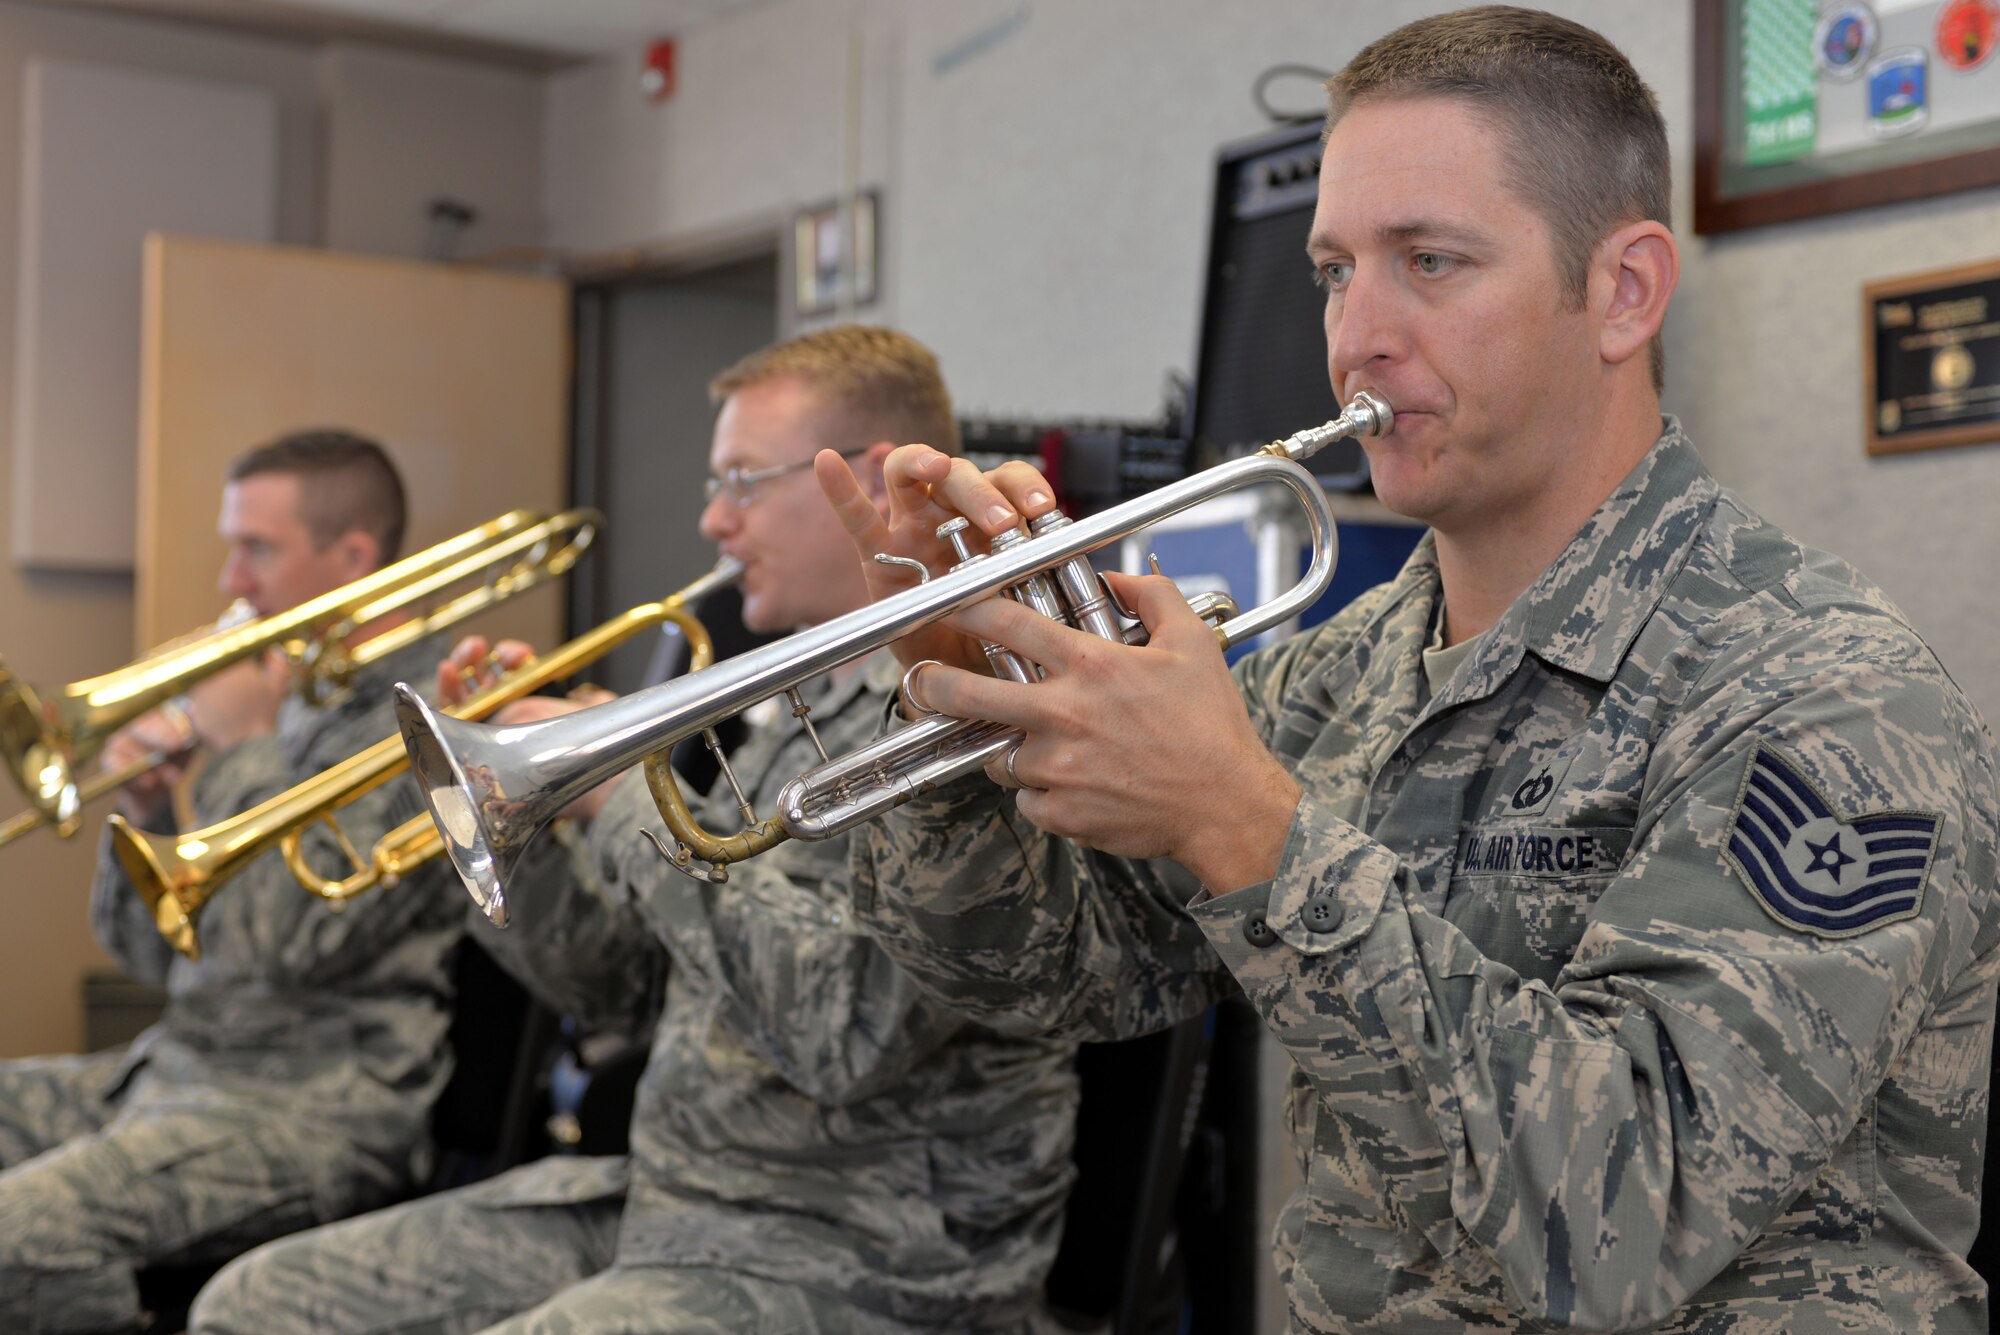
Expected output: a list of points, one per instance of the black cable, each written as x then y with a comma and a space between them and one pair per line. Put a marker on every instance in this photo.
1276, 72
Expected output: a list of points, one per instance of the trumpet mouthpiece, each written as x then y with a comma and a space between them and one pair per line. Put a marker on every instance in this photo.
1370, 413
1366, 414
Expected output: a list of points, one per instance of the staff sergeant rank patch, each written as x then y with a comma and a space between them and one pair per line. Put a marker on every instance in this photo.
1816, 872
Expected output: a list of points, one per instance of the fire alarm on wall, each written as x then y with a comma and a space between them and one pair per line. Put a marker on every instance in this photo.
657, 78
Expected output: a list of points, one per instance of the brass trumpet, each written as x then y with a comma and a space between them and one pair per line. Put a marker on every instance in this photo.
178, 874
491, 789
46, 735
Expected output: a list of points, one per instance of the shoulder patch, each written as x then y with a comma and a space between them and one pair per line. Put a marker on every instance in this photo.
1816, 871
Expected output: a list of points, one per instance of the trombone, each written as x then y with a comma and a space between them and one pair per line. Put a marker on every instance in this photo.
46, 735
491, 789
177, 875
104, 781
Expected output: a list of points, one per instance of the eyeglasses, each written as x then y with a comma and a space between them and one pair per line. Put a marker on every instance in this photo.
741, 485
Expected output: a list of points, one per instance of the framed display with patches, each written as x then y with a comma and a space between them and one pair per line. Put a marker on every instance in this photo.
1932, 358
1805, 107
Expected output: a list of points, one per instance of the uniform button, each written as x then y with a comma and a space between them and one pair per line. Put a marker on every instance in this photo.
1323, 913
1258, 932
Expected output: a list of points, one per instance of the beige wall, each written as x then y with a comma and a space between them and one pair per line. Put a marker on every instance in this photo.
56, 628
461, 372
405, 128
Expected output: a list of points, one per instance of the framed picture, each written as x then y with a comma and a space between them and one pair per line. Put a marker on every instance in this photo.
1806, 107
1931, 346
834, 255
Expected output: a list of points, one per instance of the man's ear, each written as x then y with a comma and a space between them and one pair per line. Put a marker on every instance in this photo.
357, 553
1639, 265
868, 472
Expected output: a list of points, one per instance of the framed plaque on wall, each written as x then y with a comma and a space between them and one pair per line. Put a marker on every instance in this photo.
1806, 107
1932, 350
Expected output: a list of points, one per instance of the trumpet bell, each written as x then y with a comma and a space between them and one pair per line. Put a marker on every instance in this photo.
468, 772
444, 757
173, 896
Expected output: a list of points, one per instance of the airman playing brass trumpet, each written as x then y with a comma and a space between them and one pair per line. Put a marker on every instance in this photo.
491, 789
47, 735
178, 874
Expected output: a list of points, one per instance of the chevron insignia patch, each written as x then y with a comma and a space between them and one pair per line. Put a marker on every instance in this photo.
1816, 871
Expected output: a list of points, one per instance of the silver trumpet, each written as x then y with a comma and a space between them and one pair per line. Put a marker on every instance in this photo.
491, 788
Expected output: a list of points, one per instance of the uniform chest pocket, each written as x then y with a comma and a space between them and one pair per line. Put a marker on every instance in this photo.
1524, 891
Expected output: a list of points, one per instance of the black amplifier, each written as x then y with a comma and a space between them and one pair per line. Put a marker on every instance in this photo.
1260, 371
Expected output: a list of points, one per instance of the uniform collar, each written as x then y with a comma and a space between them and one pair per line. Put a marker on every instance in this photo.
1581, 615
1585, 610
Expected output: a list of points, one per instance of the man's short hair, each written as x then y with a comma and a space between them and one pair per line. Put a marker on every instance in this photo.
887, 384
346, 482
1585, 142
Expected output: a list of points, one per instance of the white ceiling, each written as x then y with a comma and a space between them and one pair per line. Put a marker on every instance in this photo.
578, 27
536, 32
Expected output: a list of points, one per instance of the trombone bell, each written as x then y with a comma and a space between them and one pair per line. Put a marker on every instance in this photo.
41, 770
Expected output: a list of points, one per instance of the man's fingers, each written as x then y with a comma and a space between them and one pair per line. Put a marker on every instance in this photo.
512, 654
457, 668
910, 473
1053, 644
1024, 487
467, 651
927, 485
966, 491
1158, 601
973, 695
858, 514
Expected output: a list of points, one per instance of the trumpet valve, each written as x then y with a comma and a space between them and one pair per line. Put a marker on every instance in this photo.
953, 532
1006, 664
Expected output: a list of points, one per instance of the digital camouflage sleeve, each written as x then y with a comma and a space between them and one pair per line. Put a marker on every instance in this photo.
1641, 978
289, 1079
808, 1113
341, 1013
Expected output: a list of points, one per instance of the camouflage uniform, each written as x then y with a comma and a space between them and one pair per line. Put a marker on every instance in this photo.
1642, 976
288, 1082
816, 1145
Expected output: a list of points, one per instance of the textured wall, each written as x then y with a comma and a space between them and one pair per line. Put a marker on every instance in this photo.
1769, 379
404, 129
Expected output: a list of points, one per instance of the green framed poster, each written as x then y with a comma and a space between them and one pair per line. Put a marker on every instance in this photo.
1804, 107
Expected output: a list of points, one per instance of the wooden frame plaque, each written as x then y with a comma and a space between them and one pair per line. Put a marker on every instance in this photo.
1931, 357
1807, 107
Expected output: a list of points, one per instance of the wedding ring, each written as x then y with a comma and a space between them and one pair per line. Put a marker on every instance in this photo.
1012, 777
916, 706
